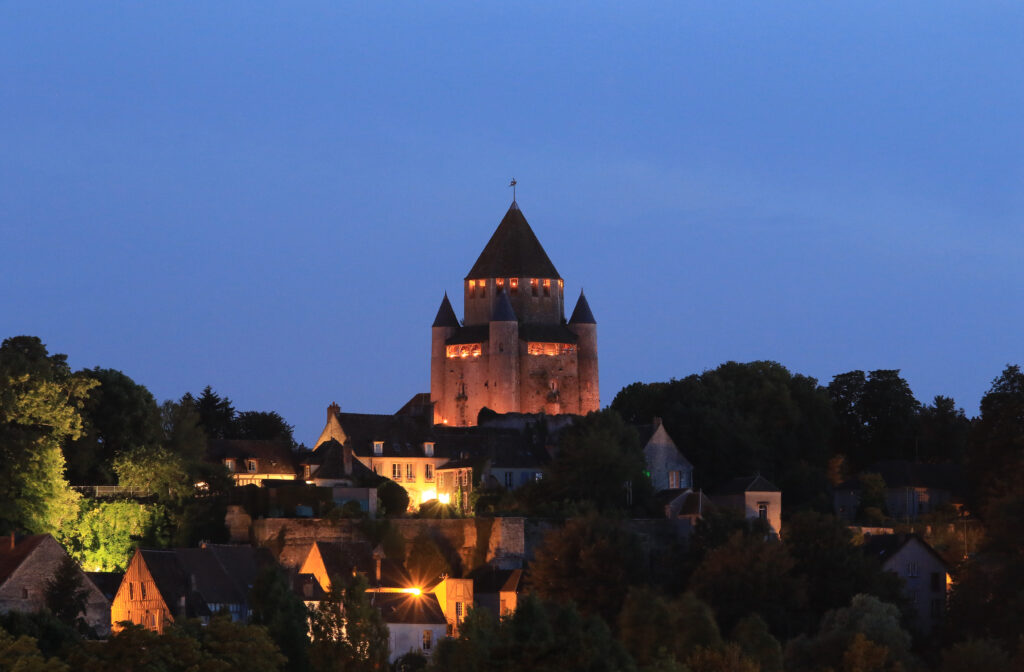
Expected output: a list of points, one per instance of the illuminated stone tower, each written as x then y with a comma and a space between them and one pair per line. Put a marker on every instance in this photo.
515, 353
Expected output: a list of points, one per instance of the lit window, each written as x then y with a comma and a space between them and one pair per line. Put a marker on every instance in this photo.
230, 464
251, 466
547, 288
550, 349
305, 471
410, 472
673, 479
762, 510
560, 284
472, 288
378, 447
500, 284
463, 351
459, 612
428, 448
513, 286
534, 286
428, 472
483, 288
428, 639
396, 472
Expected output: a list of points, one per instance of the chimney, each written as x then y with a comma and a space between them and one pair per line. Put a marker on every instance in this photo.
333, 410
347, 452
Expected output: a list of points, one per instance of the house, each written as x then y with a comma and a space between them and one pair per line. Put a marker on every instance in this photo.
455, 596
162, 586
753, 497
497, 590
252, 462
415, 622
514, 351
925, 574
668, 468
912, 489
685, 503
332, 559
27, 564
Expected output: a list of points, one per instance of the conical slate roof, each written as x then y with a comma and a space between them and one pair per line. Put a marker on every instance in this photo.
581, 314
503, 309
445, 314
513, 252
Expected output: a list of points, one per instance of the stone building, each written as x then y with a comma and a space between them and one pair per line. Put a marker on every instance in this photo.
514, 352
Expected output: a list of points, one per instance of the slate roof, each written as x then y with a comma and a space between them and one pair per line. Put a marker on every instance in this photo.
490, 580
11, 558
742, 484
582, 314
884, 546
273, 457
445, 314
404, 608
513, 252
328, 462
106, 582
503, 311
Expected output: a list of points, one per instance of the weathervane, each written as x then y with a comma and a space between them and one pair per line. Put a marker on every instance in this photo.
513, 185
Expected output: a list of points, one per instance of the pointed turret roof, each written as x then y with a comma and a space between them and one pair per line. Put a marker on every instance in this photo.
503, 309
581, 314
446, 314
513, 252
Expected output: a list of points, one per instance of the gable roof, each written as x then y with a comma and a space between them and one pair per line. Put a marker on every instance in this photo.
273, 457
513, 251
885, 546
406, 608
742, 484
12, 558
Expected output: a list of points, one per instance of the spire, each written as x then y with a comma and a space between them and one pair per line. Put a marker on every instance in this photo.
513, 252
581, 314
503, 309
445, 314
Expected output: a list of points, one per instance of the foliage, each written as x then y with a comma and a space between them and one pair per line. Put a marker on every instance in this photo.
729, 658
944, 431
393, 498
40, 402
755, 640
751, 574
21, 654
156, 471
381, 532
410, 662
183, 434
540, 636
106, 532
877, 416
426, 561
65, 594
263, 426
742, 419
276, 607
591, 561
348, 632
974, 654
872, 508
49, 634
996, 458
600, 463
235, 646
657, 631
215, 413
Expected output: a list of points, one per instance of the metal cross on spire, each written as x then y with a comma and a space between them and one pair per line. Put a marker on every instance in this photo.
513, 185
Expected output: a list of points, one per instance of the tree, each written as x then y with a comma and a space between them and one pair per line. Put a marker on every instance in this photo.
40, 402
156, 471
276, 607
425, 560
755, 640
105, 533
944, 431
729, 658
65, 595
591, 561
261, 425
216, 414
348, 632
183, 433
393, 498
119, 415
877, 416
659, 632
235, 646
996, 455
21, 654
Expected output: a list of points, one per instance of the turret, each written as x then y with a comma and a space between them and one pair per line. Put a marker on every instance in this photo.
444, 327
503, 358
583, 324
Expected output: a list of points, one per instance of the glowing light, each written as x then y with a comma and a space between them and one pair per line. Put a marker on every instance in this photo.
444, 498
412, 591
427, 495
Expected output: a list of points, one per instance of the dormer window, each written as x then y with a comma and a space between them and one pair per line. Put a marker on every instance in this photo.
513, 286
250, 465
547, 288
378, 447
230, 464
428, 448
534, 286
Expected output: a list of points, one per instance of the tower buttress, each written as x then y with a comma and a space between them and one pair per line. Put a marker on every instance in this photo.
583, 324
444, 327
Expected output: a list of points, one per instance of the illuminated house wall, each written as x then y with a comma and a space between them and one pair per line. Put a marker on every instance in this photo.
515, 352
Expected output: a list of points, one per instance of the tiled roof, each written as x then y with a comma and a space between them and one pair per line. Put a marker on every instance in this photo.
272, 457
106, 582
11, 558
513, 252
405, 608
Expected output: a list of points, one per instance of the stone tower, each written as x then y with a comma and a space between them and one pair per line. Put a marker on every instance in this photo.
514, 353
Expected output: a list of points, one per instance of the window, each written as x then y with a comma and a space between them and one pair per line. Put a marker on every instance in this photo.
508, 479
537, 475
547, 288
459, 614
131, 590
513, 286
305, 471
142, 589
378, 447
499, 284
912, 569
549, 349
534, 286
504, 608
396, 472
428, 639
462, 351
762, 510
483, 288
465, 477
230, 464
428, 472
472, 288
24, 592
251, 466
673, 479
410, 472
428, 448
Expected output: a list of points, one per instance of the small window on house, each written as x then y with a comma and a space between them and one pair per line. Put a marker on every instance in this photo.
762, 510
378, 447
428, 448
251, 466
142, 589
534, 286
547, 288
465, 478
305, 471
459, 612
508, 479
912, 569
513, 286
410, 472
396, 472
131, 590
230, 464
24, 593
428, 472
472, 288
483, 288
673, 479
428, 640
500, 284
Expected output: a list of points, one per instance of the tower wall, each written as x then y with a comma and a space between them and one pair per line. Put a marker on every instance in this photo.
589, 390
530, 309
438, 377
549, 383
504, 380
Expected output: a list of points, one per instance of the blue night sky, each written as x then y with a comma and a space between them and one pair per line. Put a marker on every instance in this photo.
271, 198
